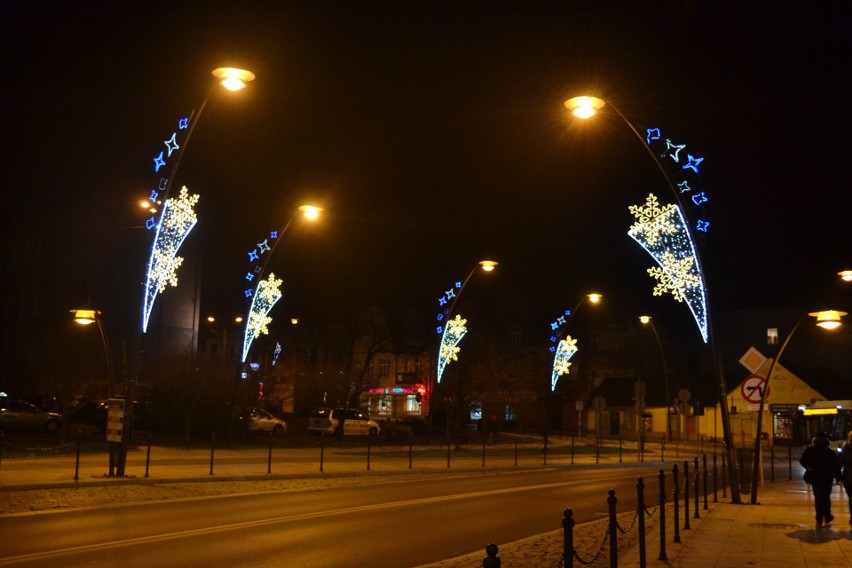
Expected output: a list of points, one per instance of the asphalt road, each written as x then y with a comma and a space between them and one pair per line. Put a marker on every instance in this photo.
390, 525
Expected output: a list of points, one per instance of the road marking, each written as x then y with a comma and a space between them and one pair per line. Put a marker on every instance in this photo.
283, 519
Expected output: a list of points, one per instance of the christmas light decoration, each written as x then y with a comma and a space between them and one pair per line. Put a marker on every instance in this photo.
445, 302
564, 351
268, 292
662, 232
177, 220
453, 333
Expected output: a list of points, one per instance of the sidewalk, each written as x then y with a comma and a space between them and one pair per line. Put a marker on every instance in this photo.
780, 531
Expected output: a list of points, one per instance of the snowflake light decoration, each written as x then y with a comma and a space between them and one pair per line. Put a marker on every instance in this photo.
663, 233
267, 294
177, 220
564, 351
454, 331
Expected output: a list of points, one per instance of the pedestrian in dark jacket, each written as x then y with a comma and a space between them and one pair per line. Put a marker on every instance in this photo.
824, 466
846, 471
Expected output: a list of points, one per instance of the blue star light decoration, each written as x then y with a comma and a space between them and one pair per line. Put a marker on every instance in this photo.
662, 232
445, 302
268, 292
177, 220
564, 351
449, 350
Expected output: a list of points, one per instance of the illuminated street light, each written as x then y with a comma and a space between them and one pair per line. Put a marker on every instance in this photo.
673, 275
176, 219
88, 316
267, 292
826, 319
453, 330
232, 78
649, 320
566, 347
845, 275
264, 295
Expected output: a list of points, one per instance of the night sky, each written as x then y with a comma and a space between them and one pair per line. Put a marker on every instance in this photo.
433, 133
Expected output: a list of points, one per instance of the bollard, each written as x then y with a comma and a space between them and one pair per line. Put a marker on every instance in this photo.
663, 515
597, 450
640, 513
448, 453
568, 538
545, 451
696, 487
269, 456
491, 560
77, 466
704, 461
410, 452
613, 530
148, 455
724, 475
322, 451
212, 450
685, 495
368, 453
676, 498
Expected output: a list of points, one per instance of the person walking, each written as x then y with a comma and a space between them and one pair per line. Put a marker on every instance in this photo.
822, 467
846, 471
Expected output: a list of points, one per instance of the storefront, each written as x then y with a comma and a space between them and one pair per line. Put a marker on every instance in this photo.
395, 403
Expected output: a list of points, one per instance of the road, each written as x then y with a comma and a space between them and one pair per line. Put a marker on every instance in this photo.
399, 524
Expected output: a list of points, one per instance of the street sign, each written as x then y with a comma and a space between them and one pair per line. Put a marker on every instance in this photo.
753, 389
752, 360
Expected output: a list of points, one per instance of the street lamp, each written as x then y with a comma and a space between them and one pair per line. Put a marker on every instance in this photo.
564, 349
649, 320
586, 107
452, 330
88, 316
264, 295
211, 320
826, 319
171, 228
845, 275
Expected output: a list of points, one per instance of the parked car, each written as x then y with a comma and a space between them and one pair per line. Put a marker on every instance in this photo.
21, 415
262, 421
355, 422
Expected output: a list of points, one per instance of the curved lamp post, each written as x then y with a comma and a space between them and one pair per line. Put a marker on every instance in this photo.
564, 349
264, 295
649, 320
585, 107
453, 330
175, 221
826, 319
88, 316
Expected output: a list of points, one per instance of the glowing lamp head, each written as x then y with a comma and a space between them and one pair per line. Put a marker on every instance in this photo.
828, 319
594, 298
238, 319
584, 107
211, 319
310, 211
232, 78
845, 275
488, 265
294, 321
85, 317
645, 319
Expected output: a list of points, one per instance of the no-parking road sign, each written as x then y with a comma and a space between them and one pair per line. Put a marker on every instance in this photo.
754, 388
